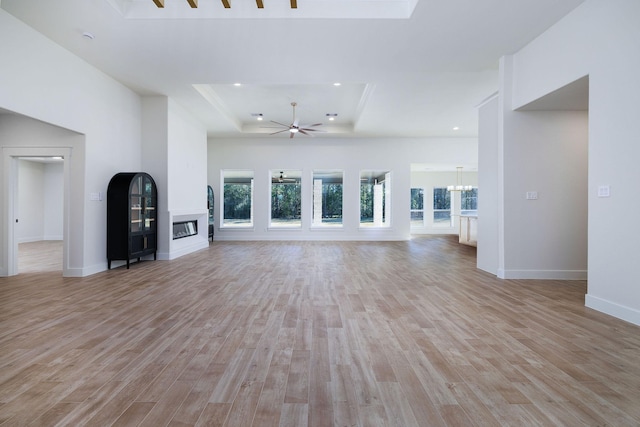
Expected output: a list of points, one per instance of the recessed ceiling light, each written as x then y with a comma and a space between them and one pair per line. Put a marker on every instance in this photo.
258, 116
237, 84
337, 84
456, 128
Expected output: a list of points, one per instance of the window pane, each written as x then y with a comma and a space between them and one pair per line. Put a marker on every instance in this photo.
375, 198
417, 207
469, 202
417, 198
441, 207
286, 199
327, 198
237, 198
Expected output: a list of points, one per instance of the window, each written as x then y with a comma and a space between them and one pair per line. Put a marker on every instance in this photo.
286, 199
237, 198
375, 199
469, 202
327, 198
441, 207
417, 207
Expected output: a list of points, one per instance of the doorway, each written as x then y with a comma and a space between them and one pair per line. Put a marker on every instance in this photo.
12, 232
40, 200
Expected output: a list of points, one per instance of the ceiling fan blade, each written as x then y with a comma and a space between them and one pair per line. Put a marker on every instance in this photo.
226, 4
278, 123
292, 134
302, 131
294, 4
260, 5
315, 124
311, 130
280, 131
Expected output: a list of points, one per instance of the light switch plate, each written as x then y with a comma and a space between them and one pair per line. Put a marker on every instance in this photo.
604, 191
532, 195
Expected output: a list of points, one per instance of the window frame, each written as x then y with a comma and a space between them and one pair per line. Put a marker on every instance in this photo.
287, 174
328, 175
373, 178
435, 222
412, 211
238, 175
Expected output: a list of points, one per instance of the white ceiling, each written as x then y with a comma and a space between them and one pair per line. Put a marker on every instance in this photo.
419, 76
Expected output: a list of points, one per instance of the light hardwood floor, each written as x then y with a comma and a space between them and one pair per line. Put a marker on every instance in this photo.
44, 255
312, 334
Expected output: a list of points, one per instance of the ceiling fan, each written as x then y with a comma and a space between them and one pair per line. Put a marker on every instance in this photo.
282, 178
294, 127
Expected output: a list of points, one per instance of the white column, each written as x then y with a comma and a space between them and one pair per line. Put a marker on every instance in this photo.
377, 205
317, 201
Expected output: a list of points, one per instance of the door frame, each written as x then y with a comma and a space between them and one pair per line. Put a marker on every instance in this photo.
10, 187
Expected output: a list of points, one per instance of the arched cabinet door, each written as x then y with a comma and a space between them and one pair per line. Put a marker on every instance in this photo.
132, 201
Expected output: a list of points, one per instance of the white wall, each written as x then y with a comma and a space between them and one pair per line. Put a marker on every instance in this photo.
187, 171
175, 155
53, 198
349, 155
41, 80
545, 152
599, 39
541, 152
489, 163
30, 201
40, 196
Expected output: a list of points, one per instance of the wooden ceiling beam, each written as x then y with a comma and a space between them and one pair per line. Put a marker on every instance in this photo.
225, 3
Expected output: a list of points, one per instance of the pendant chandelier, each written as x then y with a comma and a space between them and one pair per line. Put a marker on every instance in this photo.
459, 186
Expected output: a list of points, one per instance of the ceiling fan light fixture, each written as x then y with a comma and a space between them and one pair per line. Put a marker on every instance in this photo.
294, 127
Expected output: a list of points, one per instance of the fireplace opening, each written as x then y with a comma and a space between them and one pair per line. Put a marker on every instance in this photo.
185, 229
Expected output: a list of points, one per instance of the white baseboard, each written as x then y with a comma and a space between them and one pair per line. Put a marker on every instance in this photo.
38, 239
619, 311
81, 272
186, 250
30, 239
543, 274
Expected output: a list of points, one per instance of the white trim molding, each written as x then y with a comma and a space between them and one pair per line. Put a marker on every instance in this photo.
543, 274
611, 308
